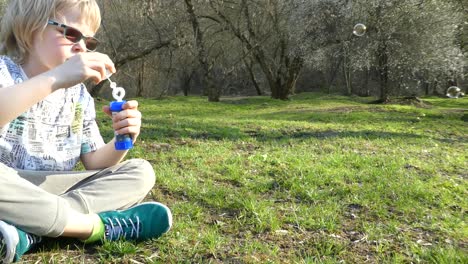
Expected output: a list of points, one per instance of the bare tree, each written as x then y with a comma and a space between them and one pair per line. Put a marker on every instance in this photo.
262, 29
406, 40
132, 32
212, 90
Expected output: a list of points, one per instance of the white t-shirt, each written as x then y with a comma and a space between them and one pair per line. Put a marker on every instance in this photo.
53, 133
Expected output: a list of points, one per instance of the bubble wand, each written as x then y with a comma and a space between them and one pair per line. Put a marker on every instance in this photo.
122, 142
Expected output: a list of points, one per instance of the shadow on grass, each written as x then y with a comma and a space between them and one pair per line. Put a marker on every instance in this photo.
336, 115
204, 131
75, 250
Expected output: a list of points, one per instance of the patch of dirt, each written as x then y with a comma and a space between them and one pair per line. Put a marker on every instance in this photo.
341, 109
407, 100
246, 146
157, 147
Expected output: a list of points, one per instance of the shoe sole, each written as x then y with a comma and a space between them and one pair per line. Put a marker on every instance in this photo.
11, 239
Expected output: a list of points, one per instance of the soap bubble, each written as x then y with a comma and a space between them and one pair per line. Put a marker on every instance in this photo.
359, 30
454, 92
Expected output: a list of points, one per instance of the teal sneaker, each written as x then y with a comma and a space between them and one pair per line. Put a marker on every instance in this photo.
14, 242
138, 223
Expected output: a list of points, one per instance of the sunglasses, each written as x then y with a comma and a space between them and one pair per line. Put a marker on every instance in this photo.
74, 35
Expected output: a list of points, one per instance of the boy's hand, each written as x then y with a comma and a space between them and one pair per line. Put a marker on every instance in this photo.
82, 67
127, 121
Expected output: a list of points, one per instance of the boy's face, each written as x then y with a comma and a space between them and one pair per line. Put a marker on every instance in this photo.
50, 49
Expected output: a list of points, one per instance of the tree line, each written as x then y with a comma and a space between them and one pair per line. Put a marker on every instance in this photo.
280, 47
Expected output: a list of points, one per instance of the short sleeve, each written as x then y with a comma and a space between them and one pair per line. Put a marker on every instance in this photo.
9, 71
10, 74
92, 139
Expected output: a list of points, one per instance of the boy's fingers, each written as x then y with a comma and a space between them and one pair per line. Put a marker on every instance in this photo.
99, 62
127, 114
106, 109
130, 104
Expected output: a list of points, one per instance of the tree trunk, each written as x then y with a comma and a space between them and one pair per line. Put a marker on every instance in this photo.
285, 81
334, 71
347, 77
212, 91
346, 69
251, 72
366, 83
187, 78
426, 88
294, 70
141, 76
383, 72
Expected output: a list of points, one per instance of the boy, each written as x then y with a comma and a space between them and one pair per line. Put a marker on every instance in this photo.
47, 124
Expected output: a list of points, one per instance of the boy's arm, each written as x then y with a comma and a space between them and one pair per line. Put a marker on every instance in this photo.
127, 121
16, 99
102, 158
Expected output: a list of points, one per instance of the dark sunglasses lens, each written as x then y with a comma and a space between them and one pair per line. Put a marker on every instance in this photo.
73, 35
91, 43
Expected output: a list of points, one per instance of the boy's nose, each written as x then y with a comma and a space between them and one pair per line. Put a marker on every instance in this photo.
80, 46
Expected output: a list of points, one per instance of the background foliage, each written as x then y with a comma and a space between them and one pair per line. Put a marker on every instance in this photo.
279, 47
274, 47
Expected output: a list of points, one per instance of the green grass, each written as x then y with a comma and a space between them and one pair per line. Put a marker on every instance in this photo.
317, 179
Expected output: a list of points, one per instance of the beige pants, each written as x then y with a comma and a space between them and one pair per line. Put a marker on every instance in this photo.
39, 202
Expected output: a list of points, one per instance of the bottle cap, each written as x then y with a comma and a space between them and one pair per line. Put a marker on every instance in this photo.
116, 106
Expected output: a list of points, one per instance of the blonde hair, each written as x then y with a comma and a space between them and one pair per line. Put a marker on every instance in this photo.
23, 18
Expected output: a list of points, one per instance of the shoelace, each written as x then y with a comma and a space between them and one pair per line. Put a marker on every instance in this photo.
32, 239
117, 228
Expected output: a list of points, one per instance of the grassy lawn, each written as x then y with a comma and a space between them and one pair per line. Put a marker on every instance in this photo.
317, 179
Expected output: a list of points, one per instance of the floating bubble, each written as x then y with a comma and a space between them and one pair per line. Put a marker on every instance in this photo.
359, 30
454, 92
